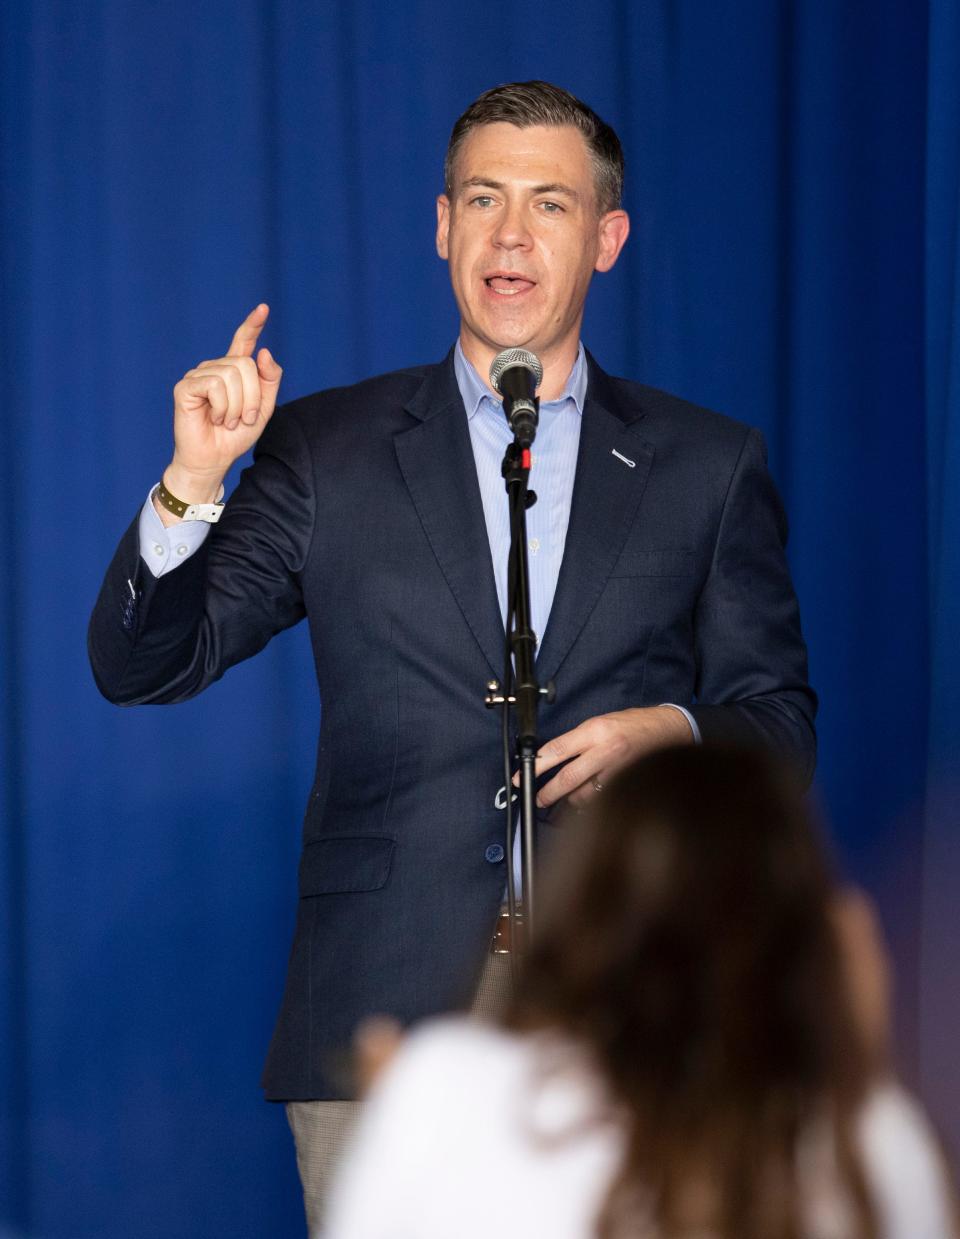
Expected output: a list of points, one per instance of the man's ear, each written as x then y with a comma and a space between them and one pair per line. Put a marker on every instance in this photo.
613, 230
443, 224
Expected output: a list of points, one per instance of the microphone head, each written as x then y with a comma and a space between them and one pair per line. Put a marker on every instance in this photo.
511, 357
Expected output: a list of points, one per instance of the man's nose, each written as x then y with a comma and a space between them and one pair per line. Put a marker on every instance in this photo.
512, 231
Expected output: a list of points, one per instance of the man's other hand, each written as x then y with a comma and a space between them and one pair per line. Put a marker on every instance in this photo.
220, 409
375, 1043
601, 746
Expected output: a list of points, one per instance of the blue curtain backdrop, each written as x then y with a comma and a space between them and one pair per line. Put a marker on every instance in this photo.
793, 183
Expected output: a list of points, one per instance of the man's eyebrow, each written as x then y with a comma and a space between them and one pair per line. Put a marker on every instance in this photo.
481, 182
554, 187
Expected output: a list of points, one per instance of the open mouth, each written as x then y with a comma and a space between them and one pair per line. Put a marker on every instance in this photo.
508, 285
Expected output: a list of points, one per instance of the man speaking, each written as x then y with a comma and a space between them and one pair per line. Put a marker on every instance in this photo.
659, 585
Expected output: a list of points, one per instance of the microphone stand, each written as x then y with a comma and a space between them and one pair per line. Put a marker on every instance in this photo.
520, 675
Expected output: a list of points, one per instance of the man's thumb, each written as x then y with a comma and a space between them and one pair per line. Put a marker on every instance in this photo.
267, 368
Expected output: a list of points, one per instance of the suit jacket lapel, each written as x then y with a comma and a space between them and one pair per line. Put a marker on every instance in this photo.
436, 459
606, 495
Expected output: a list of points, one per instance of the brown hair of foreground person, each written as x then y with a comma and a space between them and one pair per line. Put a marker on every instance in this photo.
689, 942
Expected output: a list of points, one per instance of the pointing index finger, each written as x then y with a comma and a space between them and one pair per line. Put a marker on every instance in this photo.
245, 337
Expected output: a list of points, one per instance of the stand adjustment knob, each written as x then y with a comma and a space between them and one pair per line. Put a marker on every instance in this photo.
495, 695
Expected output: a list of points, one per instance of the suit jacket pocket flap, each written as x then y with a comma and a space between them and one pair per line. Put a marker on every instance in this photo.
345, 864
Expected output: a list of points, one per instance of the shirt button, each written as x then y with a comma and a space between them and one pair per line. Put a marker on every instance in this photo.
181, 549
494, 853
157, 548
534, 545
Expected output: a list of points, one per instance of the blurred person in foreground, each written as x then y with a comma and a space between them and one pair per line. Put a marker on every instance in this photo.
698, 1047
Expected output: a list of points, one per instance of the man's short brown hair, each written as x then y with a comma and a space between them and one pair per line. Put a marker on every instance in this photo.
539, 103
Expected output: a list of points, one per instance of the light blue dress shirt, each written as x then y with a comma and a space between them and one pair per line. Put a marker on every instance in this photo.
551, 477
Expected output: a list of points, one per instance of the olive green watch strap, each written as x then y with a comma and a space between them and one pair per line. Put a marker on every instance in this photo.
209, 512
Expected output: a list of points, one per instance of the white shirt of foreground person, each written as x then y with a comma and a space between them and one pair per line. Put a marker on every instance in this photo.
473, 1131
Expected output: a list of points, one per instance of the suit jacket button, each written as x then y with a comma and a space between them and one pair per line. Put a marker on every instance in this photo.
494, 853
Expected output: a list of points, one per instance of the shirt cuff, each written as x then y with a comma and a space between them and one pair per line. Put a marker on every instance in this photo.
163, 548
697, 738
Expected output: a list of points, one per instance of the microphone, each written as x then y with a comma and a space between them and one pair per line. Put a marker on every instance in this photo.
516, 375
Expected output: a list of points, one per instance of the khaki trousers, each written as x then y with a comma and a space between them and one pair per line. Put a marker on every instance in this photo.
321, 1128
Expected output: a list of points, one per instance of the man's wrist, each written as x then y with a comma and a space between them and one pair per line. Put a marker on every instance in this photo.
190, 488
687, 731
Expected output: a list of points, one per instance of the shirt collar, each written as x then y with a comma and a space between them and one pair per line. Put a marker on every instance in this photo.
474, 391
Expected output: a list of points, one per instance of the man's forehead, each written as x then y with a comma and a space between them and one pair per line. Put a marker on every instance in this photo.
550, 154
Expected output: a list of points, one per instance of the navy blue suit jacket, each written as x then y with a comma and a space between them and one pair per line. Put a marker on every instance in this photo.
362, 512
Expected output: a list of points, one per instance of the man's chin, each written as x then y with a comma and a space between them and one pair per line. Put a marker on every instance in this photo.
511, 335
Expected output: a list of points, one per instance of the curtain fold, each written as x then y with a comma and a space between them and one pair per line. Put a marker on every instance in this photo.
939, 990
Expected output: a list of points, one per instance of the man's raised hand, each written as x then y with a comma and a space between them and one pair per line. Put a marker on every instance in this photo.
220, 409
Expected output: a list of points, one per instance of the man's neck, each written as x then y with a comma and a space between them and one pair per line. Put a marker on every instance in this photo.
557, 364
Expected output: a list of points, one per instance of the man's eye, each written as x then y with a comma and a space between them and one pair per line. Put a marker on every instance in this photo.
482, 200
551, 208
